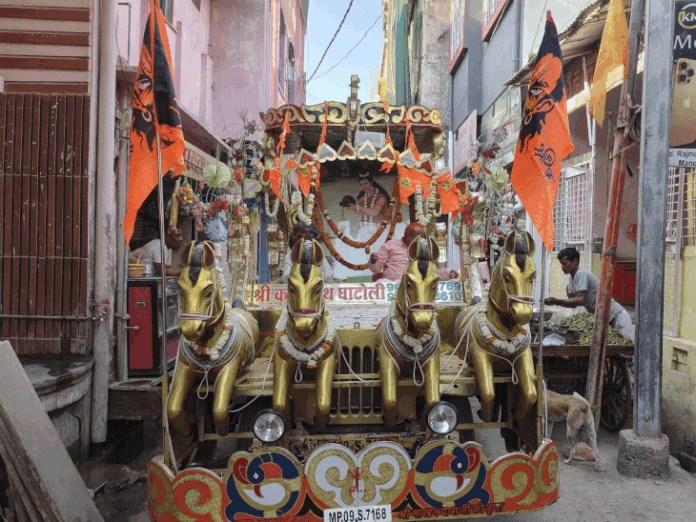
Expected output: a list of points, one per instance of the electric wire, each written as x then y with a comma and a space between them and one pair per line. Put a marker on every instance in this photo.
353, 49
332, 40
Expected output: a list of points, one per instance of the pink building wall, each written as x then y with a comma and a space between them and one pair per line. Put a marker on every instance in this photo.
225, 55
245, 48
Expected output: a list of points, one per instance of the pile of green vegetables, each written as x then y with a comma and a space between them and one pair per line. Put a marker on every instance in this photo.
583, 324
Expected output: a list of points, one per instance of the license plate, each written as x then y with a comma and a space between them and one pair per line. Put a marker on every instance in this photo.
359, 514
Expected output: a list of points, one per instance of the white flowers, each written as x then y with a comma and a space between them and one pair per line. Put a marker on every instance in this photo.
424, 216
369, 204
308, 355
502, 346
214, 351
276, 206
297, 205
414, 343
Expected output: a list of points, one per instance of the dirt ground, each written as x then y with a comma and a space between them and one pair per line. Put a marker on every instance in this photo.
585, 495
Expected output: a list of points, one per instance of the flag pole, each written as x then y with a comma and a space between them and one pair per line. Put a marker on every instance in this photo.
541, 301
163, 275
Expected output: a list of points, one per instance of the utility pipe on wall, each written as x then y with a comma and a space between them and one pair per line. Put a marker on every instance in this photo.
106, 220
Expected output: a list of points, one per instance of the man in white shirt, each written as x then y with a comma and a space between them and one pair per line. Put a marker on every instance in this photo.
300, 233
172, 240
583, 289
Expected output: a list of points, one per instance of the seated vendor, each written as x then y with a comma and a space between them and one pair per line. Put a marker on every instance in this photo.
582, 291
172, 240
302, 232
392, 258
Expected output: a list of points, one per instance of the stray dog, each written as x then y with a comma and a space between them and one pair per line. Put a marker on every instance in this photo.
577, 413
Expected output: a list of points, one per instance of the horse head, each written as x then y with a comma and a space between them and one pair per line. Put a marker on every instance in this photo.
416, 294
305, 288
512, 281
200, 294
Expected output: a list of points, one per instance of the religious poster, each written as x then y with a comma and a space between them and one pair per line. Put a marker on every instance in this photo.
464, 148
682, 138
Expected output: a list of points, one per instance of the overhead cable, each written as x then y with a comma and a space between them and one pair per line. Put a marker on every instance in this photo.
332, 40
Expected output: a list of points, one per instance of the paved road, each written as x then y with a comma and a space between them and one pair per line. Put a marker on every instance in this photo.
607, 496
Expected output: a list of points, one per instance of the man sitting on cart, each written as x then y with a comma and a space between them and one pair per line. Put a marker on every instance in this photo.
582, 291
302, 232
389, 263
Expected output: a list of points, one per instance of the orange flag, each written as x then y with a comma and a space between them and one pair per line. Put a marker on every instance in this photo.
544, 136
449, 198
613, 53
410, 180
155, 112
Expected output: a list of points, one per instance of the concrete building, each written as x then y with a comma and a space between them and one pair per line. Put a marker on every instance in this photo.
67, 72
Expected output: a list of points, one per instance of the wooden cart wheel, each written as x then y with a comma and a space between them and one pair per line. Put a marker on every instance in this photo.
616, 394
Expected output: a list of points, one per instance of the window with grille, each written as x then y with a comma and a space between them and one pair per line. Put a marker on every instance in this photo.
571, 212
680, 232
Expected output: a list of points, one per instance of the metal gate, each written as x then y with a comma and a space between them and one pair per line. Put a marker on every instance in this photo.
44, 209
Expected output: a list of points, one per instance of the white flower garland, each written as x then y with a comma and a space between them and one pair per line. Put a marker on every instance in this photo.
297, 205
300, 354
369, 205
502, 346
276, 206
214, 351
414, 343
422, 217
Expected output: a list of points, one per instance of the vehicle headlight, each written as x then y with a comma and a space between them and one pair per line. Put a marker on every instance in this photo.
269, 426
442, 418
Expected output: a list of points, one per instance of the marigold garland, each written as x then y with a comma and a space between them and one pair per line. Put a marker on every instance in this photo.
347, 240
332, 249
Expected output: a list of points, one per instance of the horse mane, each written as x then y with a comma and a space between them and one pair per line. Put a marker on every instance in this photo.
520, 252
423, 257
196, 263
306, 259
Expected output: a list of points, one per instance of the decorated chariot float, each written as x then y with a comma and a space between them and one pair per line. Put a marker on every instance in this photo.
298, 397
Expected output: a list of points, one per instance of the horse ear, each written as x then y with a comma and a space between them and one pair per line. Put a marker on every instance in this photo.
208, 255
187, 253
510, 242
318, 253
413, 248
295, 254
531, 245
434, 250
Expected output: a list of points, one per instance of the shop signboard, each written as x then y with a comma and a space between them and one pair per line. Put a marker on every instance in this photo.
503, 119
682, 139
464, 140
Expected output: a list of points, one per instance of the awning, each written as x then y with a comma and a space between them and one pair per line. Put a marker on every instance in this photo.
582, 37
196, 160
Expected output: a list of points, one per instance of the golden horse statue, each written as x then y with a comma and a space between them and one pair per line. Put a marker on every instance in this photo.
305, 337
493, 335
218, 342
408, 336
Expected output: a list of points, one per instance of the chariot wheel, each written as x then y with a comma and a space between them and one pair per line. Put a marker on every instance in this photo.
616, 394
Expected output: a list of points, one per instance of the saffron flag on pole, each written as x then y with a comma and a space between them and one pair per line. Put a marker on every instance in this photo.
613, 55
544, 139
155, 112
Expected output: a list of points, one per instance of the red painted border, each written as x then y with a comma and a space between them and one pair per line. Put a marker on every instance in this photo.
488, 29
459, 53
